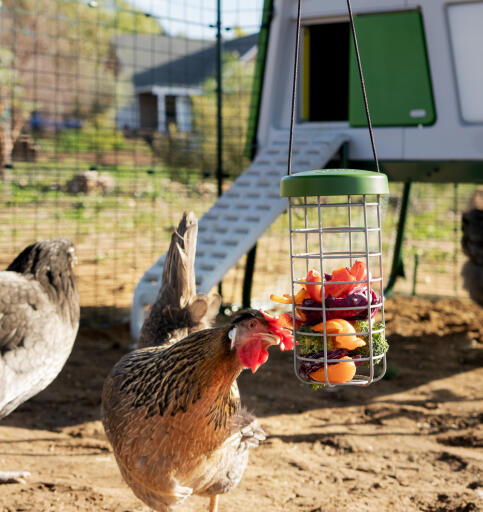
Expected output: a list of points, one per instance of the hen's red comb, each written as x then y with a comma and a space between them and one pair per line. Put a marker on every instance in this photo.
278, 326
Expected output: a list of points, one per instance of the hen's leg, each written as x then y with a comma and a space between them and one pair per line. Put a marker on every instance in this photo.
13, 477
214, 503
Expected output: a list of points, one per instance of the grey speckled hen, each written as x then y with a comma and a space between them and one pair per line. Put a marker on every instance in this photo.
39, 319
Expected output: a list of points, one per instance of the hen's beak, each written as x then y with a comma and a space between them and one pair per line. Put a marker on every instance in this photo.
268, 339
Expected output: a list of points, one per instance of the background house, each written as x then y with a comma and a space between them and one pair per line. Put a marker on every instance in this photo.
166, 72
138, 53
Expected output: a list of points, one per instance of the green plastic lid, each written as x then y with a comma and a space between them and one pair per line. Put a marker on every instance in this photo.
333, 182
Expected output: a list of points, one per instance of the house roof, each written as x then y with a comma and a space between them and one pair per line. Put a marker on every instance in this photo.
140, 52
191, 70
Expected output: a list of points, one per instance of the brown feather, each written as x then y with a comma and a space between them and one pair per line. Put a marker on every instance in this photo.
178, 310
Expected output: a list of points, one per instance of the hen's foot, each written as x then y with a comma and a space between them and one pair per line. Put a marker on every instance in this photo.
13, 477
214, 503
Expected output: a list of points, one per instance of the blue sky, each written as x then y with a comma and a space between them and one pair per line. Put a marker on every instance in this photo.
193, 17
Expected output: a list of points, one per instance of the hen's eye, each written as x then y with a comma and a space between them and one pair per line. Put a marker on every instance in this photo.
252, 324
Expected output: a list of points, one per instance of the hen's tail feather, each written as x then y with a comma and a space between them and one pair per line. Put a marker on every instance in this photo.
178, 310
179, 284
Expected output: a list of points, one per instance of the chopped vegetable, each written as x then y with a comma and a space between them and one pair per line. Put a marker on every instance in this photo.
278, 328
379, 344
314, 290
300, 296
312, 316
340, 326
308, 367
281, 299
359, 271
336, 373
286, 320
310, 344
347, 296
339, 290
356, 298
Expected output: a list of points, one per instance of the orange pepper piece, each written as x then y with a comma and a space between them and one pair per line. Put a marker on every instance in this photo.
337, 373
341, 326
300, 296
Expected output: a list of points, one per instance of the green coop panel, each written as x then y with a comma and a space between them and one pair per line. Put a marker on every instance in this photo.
396, 71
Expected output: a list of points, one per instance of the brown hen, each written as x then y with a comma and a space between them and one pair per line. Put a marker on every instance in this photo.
172, 413
171, 409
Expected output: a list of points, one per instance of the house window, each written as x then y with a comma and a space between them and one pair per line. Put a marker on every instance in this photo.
395, 65
467, 44
170, 110
148, 111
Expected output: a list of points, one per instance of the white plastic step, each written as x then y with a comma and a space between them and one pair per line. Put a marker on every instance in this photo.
230, 228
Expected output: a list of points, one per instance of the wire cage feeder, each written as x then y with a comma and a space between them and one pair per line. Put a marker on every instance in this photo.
335, 232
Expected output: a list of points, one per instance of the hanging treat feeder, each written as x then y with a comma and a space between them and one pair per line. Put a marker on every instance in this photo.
336, 264
335, 232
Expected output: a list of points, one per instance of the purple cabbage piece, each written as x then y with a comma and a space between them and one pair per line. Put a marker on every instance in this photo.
313, 317
307, 367
356, 298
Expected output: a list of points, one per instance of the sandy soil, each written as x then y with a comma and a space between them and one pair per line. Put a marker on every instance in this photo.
411, 443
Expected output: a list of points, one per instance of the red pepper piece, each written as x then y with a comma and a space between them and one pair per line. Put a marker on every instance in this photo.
340, 290
314, 290
278, 328
359, 271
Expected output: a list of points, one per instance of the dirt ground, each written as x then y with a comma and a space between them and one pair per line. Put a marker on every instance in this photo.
410, 443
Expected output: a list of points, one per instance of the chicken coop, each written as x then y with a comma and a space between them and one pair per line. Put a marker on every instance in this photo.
424, 88
107, 135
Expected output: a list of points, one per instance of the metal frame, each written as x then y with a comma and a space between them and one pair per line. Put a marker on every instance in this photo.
322, 256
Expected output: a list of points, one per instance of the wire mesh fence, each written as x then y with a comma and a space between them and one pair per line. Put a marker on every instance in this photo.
108, 126
108, 131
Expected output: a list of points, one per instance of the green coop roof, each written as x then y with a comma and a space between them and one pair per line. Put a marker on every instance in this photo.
333, 182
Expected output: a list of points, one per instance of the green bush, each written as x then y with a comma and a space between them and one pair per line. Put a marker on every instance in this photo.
90, 138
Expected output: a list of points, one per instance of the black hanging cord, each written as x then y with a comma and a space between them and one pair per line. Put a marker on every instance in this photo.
363, 85
294, 87
294, 90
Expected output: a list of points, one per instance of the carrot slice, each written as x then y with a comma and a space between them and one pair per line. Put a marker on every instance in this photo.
281, 299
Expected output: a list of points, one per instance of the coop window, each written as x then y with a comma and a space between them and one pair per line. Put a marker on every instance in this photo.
467, 44
170, 110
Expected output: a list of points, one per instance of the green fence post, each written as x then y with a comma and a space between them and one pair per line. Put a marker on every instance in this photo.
397, 269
